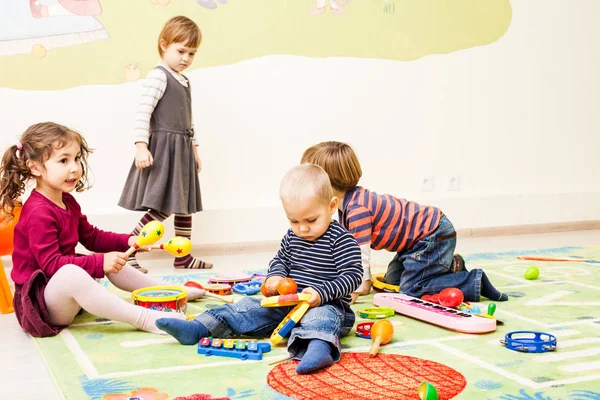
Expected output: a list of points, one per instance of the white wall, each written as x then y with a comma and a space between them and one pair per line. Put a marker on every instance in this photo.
517, 120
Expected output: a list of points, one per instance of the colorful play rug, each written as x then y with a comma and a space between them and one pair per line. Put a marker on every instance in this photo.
100, 360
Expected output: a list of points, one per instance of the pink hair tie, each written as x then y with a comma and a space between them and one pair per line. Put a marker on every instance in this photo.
19, 146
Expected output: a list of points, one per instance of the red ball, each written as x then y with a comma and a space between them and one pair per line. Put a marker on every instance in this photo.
451, 297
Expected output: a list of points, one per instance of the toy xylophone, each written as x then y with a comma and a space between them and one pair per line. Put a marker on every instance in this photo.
436, 314
234, 348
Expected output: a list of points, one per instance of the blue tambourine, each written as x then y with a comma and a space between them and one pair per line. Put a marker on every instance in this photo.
247, 288
529, 341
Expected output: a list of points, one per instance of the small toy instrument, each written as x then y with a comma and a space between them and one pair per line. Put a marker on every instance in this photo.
363, 330
161, 298
221, 289
558, 259
379, 284
212, 293
376, 312
436, 314
529, 341
177, 246
239, 348
230, 280
247, 288
293, 317
150, 233
381, 333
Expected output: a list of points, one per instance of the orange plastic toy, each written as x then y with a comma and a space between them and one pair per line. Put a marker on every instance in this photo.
6, 249
287, 286
381, 333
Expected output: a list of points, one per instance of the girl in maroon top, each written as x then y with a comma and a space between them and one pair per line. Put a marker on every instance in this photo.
52, 281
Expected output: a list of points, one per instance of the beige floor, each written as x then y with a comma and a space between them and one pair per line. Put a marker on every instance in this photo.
23, 374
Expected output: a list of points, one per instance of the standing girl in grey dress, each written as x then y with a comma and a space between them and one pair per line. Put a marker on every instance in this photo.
163, 179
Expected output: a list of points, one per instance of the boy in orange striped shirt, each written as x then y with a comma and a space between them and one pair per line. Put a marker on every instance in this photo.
422, 237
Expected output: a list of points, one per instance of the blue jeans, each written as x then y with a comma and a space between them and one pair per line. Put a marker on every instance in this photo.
247, 317
426, 268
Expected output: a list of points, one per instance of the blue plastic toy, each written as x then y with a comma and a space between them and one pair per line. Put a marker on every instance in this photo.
248, 288
529, 341
241, 349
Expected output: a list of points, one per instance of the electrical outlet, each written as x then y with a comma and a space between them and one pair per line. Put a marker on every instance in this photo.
427, 183
453, 182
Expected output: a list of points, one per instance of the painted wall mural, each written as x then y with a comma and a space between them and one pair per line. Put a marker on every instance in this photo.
58, 44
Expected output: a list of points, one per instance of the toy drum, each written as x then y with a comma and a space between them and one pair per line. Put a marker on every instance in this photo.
161, 298
230, 279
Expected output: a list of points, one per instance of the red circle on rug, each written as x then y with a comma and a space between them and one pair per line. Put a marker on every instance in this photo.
358, 376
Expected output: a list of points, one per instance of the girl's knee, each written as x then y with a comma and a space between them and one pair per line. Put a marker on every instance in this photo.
71, 273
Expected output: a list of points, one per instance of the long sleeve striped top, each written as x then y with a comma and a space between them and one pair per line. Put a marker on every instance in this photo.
153, 90
331, 265
386, 222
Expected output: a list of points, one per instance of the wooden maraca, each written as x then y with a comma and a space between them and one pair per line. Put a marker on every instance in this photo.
381, 333
177, 246
151, 233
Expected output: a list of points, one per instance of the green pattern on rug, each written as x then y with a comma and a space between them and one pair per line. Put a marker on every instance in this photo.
94, 359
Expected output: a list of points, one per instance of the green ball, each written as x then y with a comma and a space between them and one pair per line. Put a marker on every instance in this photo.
532, 273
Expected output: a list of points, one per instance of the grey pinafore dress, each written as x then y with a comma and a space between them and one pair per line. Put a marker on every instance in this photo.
171, 184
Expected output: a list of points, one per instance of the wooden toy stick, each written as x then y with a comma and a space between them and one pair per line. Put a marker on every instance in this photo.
279, 359
381, 333
224, 299
150, 233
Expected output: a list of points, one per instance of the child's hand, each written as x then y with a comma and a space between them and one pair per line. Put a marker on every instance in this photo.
271, 285
315, 297
143, 157
114, 262
197, 158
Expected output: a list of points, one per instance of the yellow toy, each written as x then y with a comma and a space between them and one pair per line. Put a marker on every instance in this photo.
379, 284
293, 317
150, 233
177, 246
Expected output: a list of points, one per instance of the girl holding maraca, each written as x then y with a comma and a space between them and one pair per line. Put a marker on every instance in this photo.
52, 281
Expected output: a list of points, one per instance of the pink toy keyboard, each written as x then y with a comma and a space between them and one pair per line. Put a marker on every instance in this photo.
436, 314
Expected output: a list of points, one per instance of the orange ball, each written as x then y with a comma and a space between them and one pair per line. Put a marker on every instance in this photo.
287, 286
263, 290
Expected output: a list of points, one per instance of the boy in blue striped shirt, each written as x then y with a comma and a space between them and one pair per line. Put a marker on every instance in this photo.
322, 257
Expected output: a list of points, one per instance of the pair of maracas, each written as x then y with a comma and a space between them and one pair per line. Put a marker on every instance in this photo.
152, 232
178, 246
